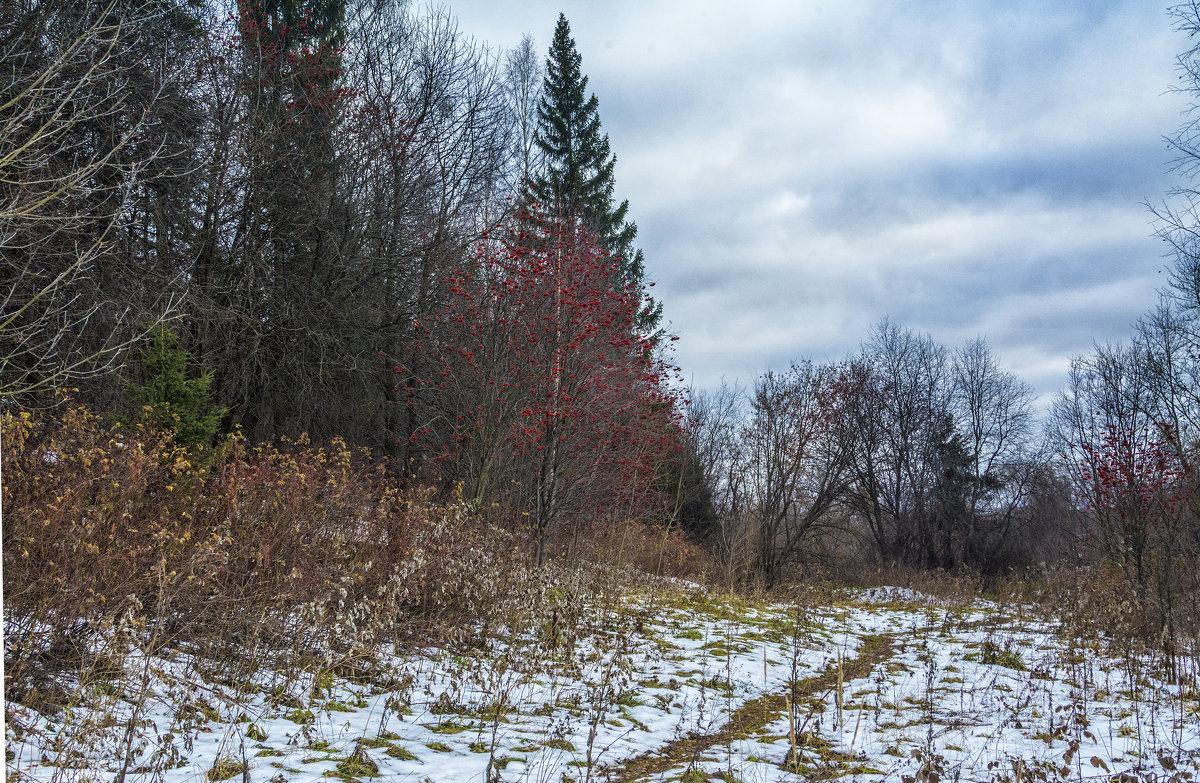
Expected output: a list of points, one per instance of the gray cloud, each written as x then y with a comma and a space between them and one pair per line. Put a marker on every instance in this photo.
799, 172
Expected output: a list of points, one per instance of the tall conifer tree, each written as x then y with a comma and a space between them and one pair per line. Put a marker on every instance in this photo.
578, 176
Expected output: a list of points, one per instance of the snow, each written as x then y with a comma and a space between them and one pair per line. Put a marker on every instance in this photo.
969, 691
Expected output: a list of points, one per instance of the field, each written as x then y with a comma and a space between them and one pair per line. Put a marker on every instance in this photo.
661, 680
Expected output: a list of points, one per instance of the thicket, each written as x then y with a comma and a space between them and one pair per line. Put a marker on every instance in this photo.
116, 534
906, 453
309, 219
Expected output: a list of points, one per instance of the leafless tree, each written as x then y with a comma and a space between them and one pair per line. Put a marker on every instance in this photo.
715, 419
795, 464
524, 72
994, 411
431, 140
898, 401
80, 133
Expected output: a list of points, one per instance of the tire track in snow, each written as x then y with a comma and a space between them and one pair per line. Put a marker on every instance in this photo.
749, 717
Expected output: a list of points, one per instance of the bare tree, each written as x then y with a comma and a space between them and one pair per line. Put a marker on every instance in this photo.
715, 419
80, 134
430, 147
898, 402
524, 73
994, 411
796, 466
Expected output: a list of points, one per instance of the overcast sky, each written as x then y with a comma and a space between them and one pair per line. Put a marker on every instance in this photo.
800, 170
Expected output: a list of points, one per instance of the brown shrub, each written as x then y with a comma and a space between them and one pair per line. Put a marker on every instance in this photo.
632, 543
89, 511
307, 548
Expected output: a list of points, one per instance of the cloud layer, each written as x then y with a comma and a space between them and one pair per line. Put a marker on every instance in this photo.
798, 172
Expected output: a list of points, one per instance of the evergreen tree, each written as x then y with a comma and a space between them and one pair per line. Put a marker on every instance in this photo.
292, 24
577, 182
176, 400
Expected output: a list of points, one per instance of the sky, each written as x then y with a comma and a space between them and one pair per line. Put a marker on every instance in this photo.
799, 171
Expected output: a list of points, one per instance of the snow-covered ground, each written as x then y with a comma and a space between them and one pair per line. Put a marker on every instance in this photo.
673, 684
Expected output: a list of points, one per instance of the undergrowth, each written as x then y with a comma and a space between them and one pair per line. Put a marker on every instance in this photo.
137, 570
247, 587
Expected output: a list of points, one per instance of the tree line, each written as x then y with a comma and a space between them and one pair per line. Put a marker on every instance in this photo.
335, 219
907, 452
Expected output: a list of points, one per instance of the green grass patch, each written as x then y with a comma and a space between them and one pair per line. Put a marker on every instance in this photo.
993, 654
302, 717
224, 768
500, 763
628, 699
378, 742
358, 765
446, 727
399, 752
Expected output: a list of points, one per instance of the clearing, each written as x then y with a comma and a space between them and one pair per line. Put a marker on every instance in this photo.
661, 682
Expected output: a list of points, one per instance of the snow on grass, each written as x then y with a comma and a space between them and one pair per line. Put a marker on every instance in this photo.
674, 684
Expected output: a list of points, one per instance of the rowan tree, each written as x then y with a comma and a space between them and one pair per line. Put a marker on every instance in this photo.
1131, 487
537, 385
1128, 422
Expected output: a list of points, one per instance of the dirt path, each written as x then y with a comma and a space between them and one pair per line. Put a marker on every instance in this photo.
748, 718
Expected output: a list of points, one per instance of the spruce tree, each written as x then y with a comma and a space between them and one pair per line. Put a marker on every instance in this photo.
577, 182
175, 399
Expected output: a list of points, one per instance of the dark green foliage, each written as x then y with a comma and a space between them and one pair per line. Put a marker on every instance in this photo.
949, 515
578, 178
175, 399
290, 23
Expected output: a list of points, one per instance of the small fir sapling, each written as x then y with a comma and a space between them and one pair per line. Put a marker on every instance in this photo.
174, 398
